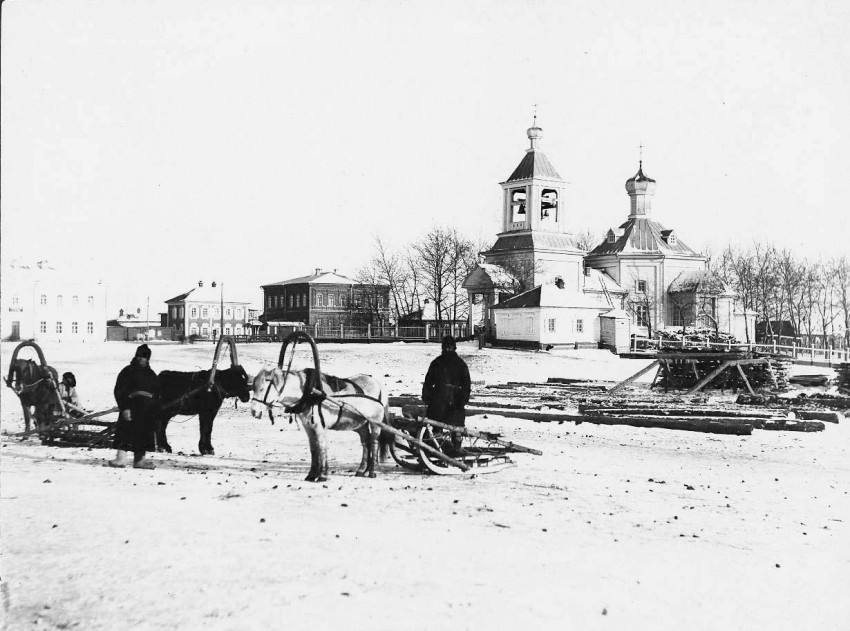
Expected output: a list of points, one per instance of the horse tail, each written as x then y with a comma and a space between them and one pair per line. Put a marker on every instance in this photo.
385, 438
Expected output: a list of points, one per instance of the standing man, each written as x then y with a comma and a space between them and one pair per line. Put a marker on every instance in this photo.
447, 388
137, 394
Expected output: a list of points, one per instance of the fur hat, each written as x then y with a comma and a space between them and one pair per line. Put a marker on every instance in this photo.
449, 342
69, 379
143, 351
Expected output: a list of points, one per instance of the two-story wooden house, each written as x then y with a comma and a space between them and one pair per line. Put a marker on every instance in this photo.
324, 299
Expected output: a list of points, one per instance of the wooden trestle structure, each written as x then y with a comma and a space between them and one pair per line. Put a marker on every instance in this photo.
666, 361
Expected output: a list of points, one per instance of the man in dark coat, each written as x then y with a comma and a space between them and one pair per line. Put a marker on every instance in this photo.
137, 394
447, 387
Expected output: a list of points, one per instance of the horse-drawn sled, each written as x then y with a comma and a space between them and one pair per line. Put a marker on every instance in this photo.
320, 402
61, 422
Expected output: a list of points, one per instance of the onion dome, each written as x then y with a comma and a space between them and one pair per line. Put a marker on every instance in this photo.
640, 183
534, 133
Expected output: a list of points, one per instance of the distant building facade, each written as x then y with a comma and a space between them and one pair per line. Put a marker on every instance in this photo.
198, 312
42, 303
324, 299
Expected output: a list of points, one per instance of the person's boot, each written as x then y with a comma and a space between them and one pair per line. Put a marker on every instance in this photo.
140, 462
120, 459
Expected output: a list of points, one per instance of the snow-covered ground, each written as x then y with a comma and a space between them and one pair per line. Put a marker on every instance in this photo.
611, 528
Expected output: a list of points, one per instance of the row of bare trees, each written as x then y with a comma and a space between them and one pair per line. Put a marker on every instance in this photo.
432, 268
779, 285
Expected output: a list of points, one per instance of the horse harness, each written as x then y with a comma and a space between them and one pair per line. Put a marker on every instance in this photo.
312, 397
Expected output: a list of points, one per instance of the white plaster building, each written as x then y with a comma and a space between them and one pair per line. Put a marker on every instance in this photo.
41, 303
204, 311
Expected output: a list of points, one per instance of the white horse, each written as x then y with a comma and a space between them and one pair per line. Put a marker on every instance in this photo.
329, 403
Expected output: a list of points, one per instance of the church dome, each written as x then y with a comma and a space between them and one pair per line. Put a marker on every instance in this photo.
534, 133
640, 183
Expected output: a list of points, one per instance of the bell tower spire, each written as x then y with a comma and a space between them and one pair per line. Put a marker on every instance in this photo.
534, 192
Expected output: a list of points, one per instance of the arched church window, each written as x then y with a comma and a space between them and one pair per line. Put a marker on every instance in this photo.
518, 198
548, 201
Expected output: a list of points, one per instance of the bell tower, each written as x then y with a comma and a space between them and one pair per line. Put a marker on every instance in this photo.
534, 193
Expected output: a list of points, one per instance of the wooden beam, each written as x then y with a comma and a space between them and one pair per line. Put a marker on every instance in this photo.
744, 377
707, 379
639, 373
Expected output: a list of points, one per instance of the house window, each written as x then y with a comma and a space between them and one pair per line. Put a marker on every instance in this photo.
227, 329
205, 313
708, 316
342, 301
641, 286
205, 332
320, 302
75, 300
611, 237
42, 327
330, 300
269, 302
15, 301
91, 301
193, 329
227, 312
74, 328
90, 327
59, 300
550, 325
579, 325
290, 301
180, 312
237, 313
380, 302
194, 312
217, 312
642, 315
58, 327
358, 300
43, 300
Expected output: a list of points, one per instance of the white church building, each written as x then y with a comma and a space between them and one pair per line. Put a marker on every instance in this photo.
536, 288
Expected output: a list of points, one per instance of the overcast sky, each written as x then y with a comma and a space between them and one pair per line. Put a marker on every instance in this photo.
157, 143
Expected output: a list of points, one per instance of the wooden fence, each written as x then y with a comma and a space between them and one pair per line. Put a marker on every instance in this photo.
365, 333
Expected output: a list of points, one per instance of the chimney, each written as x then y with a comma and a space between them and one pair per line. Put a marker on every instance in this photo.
318, 271
200, 283
213, 284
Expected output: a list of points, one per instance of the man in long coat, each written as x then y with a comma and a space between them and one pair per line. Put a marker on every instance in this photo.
137, 393
446, 388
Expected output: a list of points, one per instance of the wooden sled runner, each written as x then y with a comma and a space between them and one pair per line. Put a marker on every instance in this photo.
479, 452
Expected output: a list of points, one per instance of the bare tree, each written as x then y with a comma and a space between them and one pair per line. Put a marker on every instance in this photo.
521, 271
434, 262
587, 240
841, 275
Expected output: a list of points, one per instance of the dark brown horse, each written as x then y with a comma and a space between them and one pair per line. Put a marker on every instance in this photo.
36, 387
190, 393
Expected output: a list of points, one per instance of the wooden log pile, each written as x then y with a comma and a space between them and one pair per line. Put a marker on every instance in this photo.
696, 418
801, 402
686, 369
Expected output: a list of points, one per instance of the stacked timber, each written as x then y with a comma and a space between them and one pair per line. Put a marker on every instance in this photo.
802, 401
696, 418
685, 369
